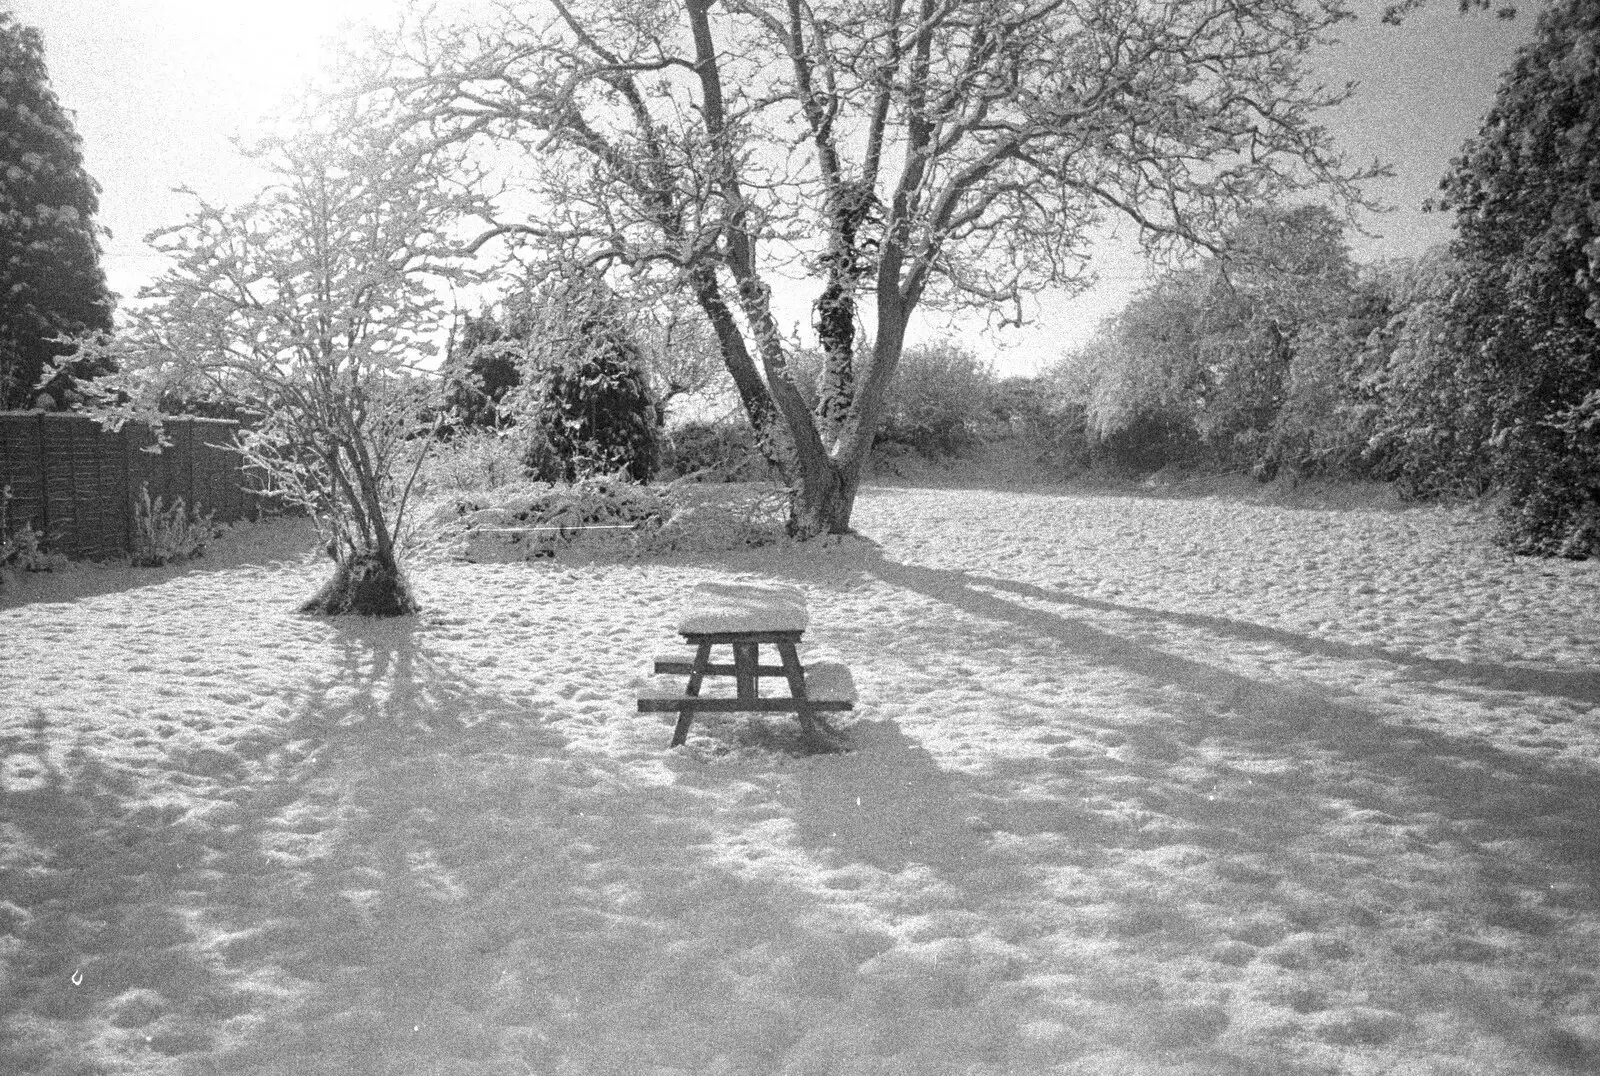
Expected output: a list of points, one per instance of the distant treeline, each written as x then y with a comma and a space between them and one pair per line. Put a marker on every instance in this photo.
1471, 369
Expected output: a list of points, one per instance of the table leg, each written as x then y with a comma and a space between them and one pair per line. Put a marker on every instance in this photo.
746, 656
697, 675
816, 733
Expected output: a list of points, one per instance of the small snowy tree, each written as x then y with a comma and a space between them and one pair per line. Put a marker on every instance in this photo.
50, 277
680, 354
315, 297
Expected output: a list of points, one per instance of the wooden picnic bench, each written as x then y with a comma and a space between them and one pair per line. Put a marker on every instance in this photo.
745, 617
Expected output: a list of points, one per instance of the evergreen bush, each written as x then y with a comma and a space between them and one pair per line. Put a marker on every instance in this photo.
584, 383
50, 274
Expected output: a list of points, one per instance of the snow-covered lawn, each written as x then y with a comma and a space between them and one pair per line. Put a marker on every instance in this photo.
1141, 785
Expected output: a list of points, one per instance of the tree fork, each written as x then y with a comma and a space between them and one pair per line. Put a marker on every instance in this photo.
758, 405
825, 497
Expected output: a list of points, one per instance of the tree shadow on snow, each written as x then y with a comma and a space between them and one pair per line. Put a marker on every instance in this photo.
92, 896
412, 872
1581, 685
1315, 819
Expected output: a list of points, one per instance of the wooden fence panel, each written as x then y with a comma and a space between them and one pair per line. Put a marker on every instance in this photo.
79, 484
218, 479
98, 477
20, 470
114, 490
147, 468
63, 530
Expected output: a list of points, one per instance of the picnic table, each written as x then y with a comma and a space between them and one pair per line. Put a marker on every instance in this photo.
745, 616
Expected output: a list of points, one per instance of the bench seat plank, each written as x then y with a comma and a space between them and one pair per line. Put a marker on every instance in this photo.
829, 686
675, 662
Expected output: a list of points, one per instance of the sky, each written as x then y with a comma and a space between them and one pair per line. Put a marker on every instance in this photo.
159, 86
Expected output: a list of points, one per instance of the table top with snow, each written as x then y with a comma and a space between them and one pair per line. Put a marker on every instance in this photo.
743, 606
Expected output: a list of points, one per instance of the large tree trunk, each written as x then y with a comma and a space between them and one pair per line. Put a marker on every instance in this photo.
824, 497
827, 482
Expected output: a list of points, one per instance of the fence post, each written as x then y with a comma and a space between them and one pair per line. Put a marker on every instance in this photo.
189, 437
129, 499
71, 429
44, 484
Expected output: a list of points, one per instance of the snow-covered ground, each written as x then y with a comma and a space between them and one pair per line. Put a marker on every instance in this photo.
1141, 784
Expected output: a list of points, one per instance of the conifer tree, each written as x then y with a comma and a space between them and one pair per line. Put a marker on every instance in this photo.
51, 282
584, 377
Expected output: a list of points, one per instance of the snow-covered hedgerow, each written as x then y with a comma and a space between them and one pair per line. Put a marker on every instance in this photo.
595, 515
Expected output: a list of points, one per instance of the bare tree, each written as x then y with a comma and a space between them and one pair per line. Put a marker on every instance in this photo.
899, 152
315, 303
680, 353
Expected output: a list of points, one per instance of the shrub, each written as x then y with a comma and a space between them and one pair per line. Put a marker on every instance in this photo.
481, 366
714, 452
1552, 507
477, 459
1528, 237
1149, 441
1428, 422
19, 542
938, 400
1550, 519
1332, 404
1040, 410
599, 419
162, 533
583, 382
1216, 346
537, 517
1066, 443
1021, 405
